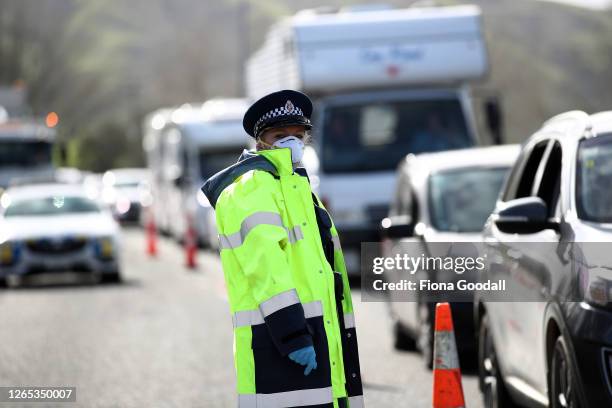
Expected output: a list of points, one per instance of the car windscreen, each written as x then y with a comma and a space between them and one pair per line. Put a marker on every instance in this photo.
594, 179
212, 162
15, 153
461, 200
45, 206
376, 136
127, 184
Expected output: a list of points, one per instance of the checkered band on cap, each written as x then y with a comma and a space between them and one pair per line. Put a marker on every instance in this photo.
288, 109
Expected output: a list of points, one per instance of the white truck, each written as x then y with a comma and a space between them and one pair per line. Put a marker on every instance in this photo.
385, 83
185, 146
26, 144
26, 149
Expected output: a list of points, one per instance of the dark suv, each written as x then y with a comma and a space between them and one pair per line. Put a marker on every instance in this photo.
549, 343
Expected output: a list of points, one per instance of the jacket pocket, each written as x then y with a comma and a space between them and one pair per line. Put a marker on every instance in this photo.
276, 373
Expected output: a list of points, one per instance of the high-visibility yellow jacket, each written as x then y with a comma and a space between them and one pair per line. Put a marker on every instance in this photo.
282, 290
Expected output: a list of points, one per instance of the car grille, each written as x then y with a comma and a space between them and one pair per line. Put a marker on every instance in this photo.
56, 246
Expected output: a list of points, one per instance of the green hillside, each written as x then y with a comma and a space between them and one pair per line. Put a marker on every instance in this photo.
103, 64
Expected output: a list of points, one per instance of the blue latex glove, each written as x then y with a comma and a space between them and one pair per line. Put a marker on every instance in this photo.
305, 356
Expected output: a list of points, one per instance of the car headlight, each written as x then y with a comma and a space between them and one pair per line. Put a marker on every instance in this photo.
599, 292
123, 205
9, 253
596, 289
104, 248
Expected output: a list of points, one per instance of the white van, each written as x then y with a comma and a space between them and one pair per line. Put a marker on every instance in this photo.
385, 83
184, 146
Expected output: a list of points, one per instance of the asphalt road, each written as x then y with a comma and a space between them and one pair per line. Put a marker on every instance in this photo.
163, 338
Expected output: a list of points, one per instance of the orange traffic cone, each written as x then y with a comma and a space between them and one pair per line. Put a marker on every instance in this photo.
151, 235
447, 388
191, 245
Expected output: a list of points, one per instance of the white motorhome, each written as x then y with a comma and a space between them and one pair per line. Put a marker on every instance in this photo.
184, 146
386, 83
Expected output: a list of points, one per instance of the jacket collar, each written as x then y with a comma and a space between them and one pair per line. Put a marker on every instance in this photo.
276, 161
214, 186
280, 158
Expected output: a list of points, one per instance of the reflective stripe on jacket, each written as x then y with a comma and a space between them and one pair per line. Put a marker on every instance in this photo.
281, 287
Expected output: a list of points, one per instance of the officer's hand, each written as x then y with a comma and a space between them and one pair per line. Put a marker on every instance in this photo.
305, 356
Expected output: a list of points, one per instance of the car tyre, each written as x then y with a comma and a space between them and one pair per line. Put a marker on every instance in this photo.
426, 335
114, 277
3, 283
402, 340
561, 378
494, 392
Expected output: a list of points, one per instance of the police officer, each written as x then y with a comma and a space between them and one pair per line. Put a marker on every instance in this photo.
294, 330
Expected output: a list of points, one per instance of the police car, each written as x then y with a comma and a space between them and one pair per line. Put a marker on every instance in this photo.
56, 228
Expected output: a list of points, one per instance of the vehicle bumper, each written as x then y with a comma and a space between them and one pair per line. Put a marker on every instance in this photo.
83, 260
592, 342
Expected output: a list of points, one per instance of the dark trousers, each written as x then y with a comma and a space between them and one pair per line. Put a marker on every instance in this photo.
342, 403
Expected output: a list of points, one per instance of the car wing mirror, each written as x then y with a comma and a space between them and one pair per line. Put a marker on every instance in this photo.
526, 215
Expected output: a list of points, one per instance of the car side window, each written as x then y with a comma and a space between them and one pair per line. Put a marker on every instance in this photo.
521, 180
548, 177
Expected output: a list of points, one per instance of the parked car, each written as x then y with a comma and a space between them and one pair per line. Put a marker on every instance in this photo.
126, 191
441, 197
55, 228
551, 344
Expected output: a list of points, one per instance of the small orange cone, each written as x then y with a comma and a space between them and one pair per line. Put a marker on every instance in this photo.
447, 388
151, 235
191, 245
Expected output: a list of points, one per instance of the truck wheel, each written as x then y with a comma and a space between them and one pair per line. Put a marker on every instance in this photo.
403, 341
494, 392
561, 378
426, 336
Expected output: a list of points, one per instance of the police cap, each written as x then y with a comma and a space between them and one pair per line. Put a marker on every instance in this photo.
282, 108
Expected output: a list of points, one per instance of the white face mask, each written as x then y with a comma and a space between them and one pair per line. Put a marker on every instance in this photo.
296, 146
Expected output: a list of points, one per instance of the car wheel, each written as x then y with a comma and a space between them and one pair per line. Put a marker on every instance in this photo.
403, 341
3, 283
494, 392
114, 277
426, 336
562, 380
